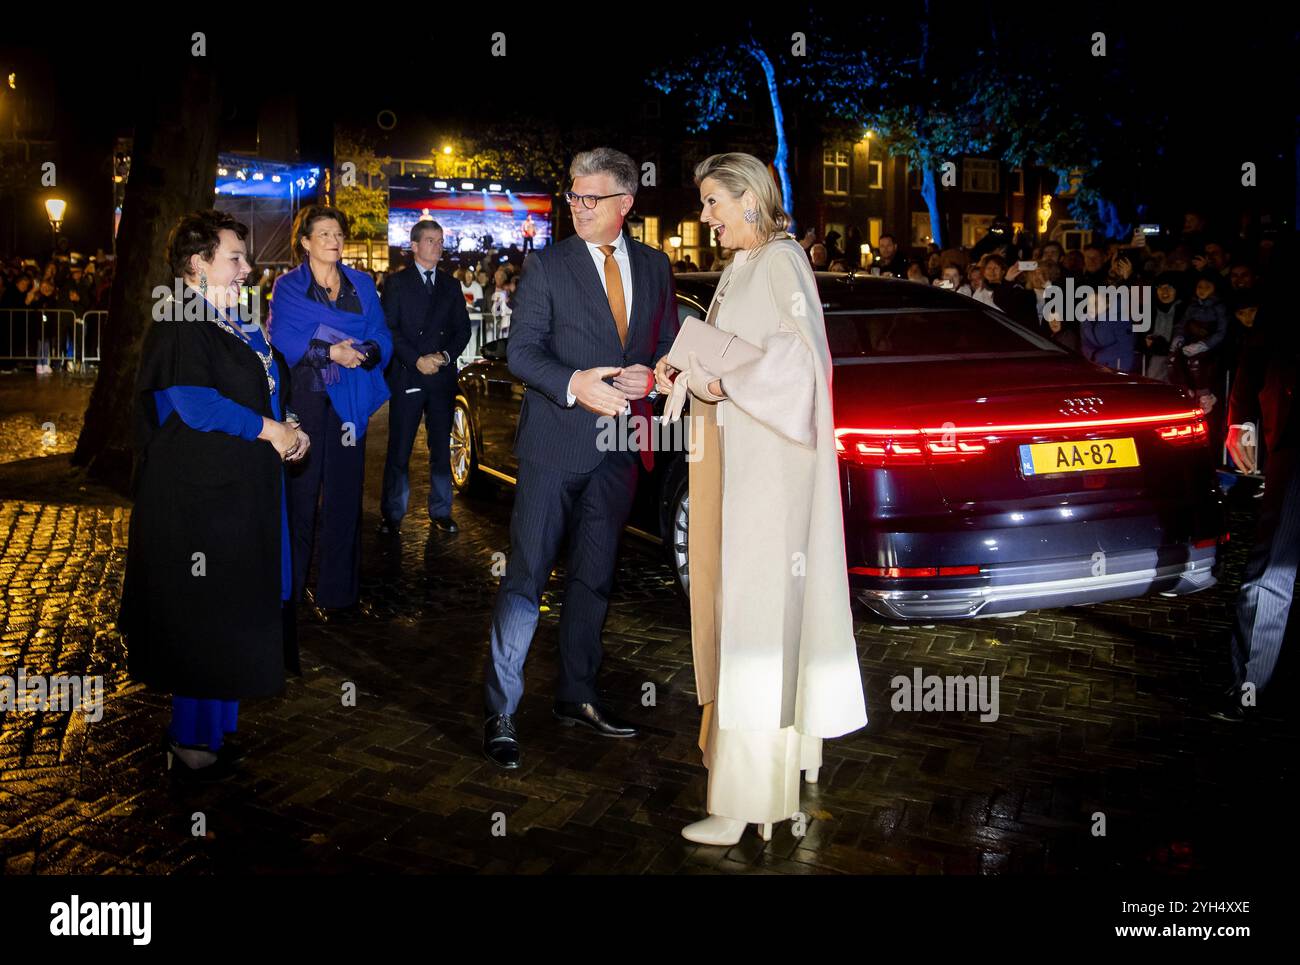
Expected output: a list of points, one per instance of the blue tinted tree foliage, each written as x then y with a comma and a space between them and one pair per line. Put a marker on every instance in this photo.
762, 63
935, 88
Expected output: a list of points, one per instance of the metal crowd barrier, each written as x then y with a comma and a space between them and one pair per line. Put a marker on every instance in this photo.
53, 336
92, 328
38, 334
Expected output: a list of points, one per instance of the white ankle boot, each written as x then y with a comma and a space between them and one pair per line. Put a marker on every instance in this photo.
716, 829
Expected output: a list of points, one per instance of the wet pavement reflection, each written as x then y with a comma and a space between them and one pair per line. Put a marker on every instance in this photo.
1101, 724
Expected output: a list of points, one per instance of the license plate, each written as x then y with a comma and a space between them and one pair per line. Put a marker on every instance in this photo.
1043, 458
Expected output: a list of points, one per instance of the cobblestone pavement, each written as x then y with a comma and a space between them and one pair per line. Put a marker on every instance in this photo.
40, 416
1101, 719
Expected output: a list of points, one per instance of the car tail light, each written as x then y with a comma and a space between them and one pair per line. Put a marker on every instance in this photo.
886, 447
1193, 432
881, 447
905, 447
1201, 544
897, 572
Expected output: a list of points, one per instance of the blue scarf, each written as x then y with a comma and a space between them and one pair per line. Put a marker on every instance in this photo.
294, 320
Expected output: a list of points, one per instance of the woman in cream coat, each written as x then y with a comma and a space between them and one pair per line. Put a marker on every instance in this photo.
776, 665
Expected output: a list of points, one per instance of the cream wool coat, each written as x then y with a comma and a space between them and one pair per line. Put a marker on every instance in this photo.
775, 647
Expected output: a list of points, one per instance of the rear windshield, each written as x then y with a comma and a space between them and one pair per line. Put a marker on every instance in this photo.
928, 332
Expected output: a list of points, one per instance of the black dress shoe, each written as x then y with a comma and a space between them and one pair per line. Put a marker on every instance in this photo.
1231, 709
500, 746
445, 524
593, 716
390, 527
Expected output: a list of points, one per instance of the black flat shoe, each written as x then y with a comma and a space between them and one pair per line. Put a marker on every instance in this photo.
232, 752
445, 524
592, 716
353, 611
500, 745
390, 527
223, 768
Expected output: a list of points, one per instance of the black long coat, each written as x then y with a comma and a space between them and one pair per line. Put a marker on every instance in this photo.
212, 630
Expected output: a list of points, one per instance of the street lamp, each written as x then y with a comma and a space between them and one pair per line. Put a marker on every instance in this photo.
54, 208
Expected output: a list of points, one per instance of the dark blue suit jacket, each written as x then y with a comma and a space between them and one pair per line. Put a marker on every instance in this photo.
561, 321
423, 326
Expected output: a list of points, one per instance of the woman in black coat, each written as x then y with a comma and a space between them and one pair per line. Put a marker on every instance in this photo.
208, 565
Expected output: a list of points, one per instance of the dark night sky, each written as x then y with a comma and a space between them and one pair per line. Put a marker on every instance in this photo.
1231, 80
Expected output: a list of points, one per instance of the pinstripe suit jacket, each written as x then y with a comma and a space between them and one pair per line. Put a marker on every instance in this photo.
561, 322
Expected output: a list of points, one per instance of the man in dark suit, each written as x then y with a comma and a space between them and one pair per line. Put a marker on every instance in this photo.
430, 326
591, 316
1264, 391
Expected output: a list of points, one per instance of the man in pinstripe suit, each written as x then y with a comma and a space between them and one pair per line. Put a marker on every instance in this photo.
591, 316
1265, 390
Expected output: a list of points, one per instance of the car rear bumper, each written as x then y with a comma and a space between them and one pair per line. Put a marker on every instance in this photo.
1013, 588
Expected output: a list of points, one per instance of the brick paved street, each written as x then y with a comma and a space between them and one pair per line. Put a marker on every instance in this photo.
1101, 711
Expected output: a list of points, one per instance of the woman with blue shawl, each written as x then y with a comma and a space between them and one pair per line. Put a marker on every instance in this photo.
206, 609
327, 320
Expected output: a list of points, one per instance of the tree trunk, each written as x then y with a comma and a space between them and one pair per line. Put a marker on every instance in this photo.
782, 160
930, 192
173, 167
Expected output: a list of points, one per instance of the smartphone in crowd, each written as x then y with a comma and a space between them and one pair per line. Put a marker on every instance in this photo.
1140, 235
1027, 265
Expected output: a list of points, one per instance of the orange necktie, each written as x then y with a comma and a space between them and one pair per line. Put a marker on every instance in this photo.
614, 291
617, 306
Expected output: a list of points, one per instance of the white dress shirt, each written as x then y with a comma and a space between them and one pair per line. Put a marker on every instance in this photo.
624, 262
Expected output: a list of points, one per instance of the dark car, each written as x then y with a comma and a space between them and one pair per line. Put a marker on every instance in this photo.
984, 470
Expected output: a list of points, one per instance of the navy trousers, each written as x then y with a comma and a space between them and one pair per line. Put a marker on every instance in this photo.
1268, 585
339, 470
551, 505
405, 410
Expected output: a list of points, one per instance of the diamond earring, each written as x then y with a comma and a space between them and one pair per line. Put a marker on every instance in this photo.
750, 216
203, 284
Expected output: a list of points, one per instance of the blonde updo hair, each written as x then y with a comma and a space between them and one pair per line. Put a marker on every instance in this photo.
739, 173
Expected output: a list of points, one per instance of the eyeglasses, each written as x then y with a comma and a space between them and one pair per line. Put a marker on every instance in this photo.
589, 200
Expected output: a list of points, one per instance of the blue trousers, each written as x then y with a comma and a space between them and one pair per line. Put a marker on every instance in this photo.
405, 410
199, 721
339, 470
589, 509
1268, 584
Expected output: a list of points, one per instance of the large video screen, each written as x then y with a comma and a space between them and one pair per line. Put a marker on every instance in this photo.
469, 216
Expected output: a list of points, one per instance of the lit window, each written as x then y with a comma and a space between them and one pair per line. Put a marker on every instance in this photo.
979, 175
835, 171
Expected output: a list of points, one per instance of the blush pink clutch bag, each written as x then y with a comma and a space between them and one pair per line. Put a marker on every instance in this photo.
717, 351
